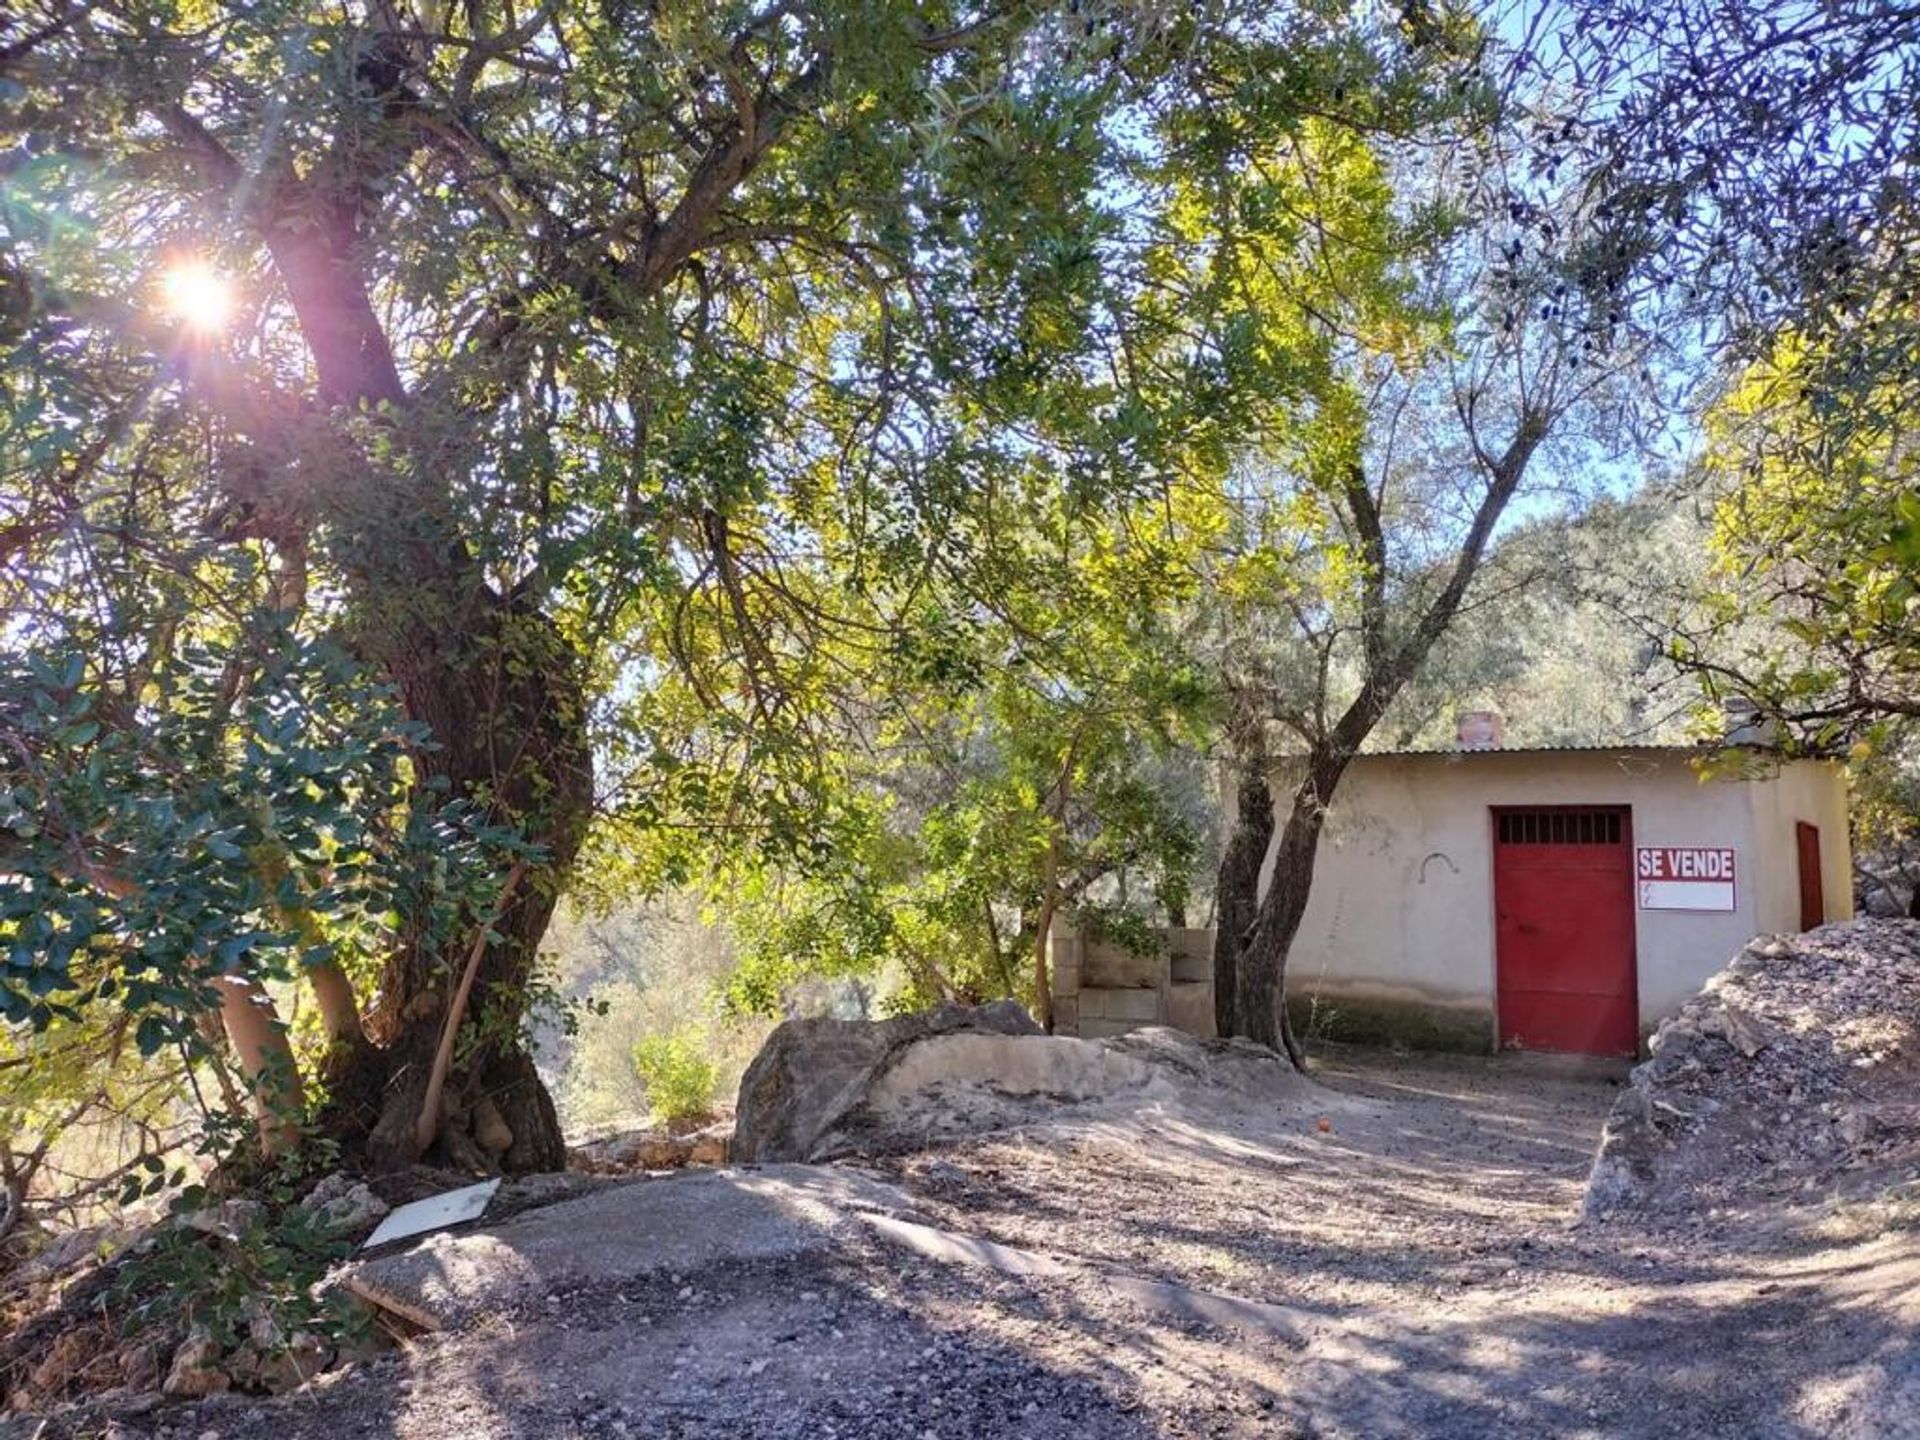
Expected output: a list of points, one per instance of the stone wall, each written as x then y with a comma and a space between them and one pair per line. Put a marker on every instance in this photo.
1101, 988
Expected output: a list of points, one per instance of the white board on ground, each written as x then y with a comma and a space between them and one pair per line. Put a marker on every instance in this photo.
436, 1212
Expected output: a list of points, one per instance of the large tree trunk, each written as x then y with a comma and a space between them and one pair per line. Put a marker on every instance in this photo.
493, 682
1237, 888
499, 690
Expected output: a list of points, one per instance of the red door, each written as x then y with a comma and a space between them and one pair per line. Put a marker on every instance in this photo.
1813, 899
1563, 931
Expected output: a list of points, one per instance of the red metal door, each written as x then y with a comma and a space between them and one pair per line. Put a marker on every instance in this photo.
1813, 899
1563, 932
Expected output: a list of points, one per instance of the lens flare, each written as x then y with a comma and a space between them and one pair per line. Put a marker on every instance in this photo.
197, 295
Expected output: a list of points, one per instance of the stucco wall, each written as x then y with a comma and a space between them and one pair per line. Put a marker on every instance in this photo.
1401, 915
1814, 793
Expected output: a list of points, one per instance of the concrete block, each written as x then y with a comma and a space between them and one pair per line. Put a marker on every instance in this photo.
1190, 1008
1111, 967
1188, 941
1141, 1006
1066, 1015
1191, 969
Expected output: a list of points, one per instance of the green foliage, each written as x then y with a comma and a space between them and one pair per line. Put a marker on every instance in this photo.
653, 969
818, 418
1118, 925
244, 813
265, 1269
1731, 143
242, 1261
1022, 732
968, 820
680, 1078
1779, 256
82, 1112
1570, 640
1819, 527
761, 455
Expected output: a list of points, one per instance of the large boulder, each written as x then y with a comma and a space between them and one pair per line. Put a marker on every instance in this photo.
1788, 1080
811, 1079
826, 1088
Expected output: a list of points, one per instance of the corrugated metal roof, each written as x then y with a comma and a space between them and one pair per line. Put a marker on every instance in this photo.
1627, 748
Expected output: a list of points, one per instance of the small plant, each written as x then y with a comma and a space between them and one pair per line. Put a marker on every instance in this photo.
245, 1268
1321, 1019
227, 1274
679, 1076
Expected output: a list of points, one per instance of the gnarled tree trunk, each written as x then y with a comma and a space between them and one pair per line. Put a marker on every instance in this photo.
1237, 889
1262, 980
499, 691
488, 675
1259, 1001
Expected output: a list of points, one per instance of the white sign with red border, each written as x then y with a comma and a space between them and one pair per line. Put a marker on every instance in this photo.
1685, 877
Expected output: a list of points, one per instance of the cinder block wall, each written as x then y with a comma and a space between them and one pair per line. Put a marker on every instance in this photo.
1101, 989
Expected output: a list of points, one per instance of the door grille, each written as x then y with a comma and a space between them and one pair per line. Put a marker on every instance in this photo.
1559, 827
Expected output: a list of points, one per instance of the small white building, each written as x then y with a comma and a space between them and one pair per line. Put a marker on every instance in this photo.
1563, 899
1553, 899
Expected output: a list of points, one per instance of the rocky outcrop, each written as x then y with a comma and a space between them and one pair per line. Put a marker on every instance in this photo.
808, 1085
1789, 1080
825, 1088
652, 1148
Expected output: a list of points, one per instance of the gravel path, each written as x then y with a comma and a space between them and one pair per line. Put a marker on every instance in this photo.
1409, 1222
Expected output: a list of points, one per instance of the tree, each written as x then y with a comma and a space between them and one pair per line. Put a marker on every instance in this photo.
204, 815
1818, 526
1760, 162
1183, 376
552, 336
612, 385
1567, 632
1439, 328
1033, 772
1817, 529
1767, 156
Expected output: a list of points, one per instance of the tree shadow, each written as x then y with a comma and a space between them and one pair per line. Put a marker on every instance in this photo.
1420, 1247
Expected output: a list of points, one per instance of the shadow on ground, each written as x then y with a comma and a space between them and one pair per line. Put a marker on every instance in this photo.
1403, 1231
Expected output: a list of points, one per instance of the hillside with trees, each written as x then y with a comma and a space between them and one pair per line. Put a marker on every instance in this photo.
539, 541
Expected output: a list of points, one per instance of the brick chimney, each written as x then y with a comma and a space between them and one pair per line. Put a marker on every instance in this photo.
1478, 729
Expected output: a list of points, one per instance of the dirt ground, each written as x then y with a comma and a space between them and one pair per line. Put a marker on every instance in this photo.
1389, 1253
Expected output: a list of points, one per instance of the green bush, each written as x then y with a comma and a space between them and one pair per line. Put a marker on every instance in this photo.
679, 1076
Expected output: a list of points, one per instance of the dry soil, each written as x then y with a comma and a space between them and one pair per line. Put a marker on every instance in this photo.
1390, 1253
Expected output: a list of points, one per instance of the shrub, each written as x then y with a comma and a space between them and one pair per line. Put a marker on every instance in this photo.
679, 1076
